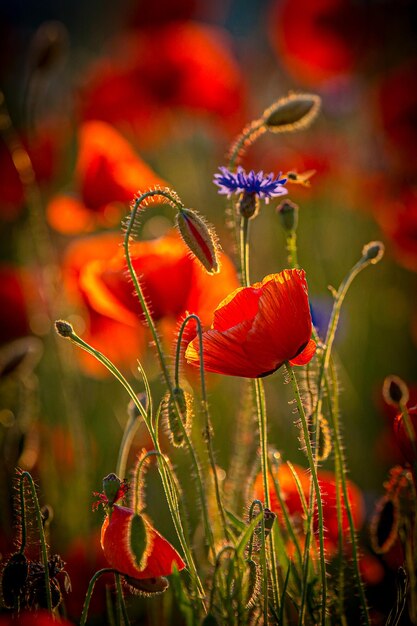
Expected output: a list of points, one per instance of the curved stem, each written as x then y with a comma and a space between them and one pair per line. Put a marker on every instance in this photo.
161, 356
91, 585
121, 598
205, 407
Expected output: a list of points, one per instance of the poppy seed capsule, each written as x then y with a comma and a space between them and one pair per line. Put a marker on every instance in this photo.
395, 391
200, 239
111, 487
288, 215
183, 400
293, 112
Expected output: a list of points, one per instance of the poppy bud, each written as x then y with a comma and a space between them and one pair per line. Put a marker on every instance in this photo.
288, 215
183, 400
293, 112
200, 239
253, 582
64, 328
384, 525
14, 578
373, 251
395, 391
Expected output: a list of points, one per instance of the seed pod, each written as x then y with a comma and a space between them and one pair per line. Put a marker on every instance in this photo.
14, 578
291, 113
200, 239
184, 400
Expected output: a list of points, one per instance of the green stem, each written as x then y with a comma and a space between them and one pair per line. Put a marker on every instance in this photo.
162, 361
263, 438
121, 598
205, 407
259, 504
162, 470
44, 551
244, 251
128, 436
291, 247
313, 470
84, 614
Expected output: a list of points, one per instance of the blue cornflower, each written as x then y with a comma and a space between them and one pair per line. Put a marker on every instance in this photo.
256, 183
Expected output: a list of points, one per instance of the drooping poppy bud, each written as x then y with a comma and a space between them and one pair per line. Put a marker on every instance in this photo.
293, 112
200, 239
183, 400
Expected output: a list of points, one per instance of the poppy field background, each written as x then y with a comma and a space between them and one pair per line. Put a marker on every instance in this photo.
101, 103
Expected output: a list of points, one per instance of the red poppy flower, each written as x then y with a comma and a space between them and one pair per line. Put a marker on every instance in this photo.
44, 150
397, 217
328, 490
258, 328
33, 618
108, 174
173, 283
119, 535
14, 321
182, 65
318, 40
402, 436
396, 110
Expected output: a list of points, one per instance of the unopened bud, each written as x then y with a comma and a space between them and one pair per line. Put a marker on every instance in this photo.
200, 238
373, 251
395, 391
64, 328
178, 406
288, 215
253, 582
294, 112
248, 205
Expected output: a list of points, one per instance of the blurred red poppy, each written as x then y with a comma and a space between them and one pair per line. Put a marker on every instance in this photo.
44, 150
329, 499
83, 558
33, 618
397, 217
173, 282
117, 539
396, 111
108, 174
182, 64
402, 436
257, 329
318, 40
14, 321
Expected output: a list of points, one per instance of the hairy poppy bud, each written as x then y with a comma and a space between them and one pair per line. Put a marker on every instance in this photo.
64, 328
200, 239
373, 251
395, 391
293, 112
14, 578
183, 400
288, 215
